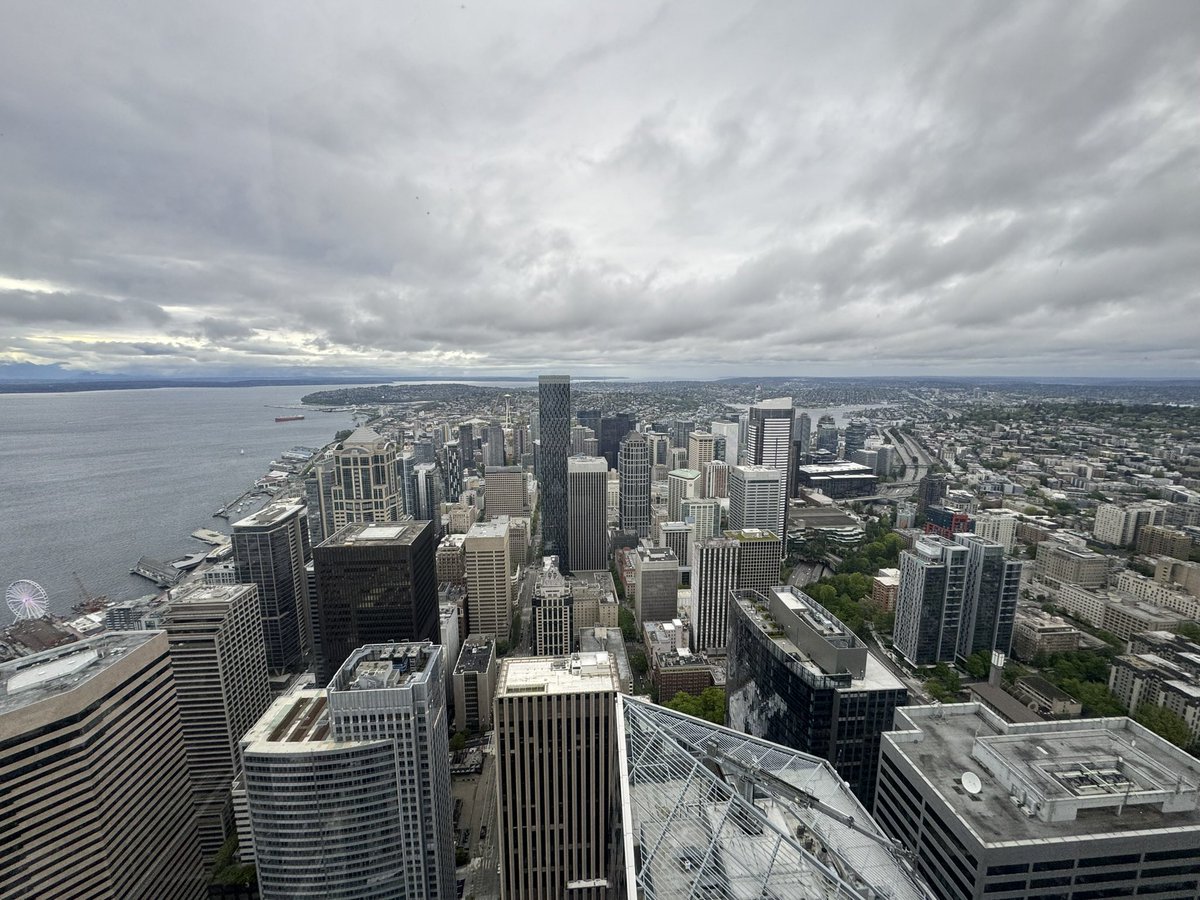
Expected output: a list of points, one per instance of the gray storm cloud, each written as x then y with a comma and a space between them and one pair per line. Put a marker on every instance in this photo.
679, 189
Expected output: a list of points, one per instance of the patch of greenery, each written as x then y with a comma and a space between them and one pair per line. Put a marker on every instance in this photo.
709, 704
227, 872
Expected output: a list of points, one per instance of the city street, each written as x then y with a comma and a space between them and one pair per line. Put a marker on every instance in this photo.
478, 793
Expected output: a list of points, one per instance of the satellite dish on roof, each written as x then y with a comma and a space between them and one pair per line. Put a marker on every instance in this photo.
971, 783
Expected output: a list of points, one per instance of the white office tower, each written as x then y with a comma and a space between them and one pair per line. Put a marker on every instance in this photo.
1000, 527
704, 516
222, 687
487, 560
729, 431
429, 495
553, 623
348, 789
95, 798
633, 464
769, 438
556, 776
678, 537
365, 480
1072, 808
758, 498
714, 576
709, 812
682, 484
701, 449
587, 512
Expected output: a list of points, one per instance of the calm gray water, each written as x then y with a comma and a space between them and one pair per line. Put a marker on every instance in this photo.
91, 481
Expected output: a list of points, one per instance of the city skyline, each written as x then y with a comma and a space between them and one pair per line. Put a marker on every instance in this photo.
927, 189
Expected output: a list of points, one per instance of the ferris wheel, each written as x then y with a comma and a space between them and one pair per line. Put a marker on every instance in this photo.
26, 599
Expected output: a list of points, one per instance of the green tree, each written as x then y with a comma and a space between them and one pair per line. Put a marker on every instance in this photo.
343, 434
1165, 724
1190, 630
709, 704
638, 662
979, 664
628, 623
458, 742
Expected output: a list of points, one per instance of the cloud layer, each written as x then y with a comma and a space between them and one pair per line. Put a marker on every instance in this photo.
621, 188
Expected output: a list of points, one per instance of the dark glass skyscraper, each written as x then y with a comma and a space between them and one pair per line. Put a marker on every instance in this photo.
554, 416
633, 464
612, 431
375, 584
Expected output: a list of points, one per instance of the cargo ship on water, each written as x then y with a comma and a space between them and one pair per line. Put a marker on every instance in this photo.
288, 418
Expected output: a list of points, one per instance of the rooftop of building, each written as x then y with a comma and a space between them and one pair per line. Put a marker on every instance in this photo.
684, 473
1044, 688
1062, 779
577, 673
747, 535
476, 655
836, 467
381, 666
376, 534
271, 515
363, 435
656, 554
53, 672
888, 577
493, 529
1004, 703
199, 592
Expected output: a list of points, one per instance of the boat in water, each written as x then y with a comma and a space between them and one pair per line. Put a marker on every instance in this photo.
288, 418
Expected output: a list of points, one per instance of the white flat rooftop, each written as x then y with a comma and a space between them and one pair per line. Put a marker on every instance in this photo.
578, 673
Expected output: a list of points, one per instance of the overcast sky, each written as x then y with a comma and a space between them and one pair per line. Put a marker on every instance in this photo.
635, 188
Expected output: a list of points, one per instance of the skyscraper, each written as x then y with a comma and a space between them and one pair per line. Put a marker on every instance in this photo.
366, 485
714, 576
556, 776
827, 434
452, 470
701, 450
554, 412
682, 484
799, 677
729, 431
612, 431
757, 498
758, 559
489, 569
552, 607
656, 584
97, 797
704, 516
802, 438
856, 436
506, 491
375, 584
989, 598
221, 684
270, 550
634, 468
348, 790
429, 495
587, 511
929, 600
769, 438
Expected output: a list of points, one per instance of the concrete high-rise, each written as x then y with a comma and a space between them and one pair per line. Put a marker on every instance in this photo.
1079, 808
556, 776
222, 687
802, 438
704, 516
701, 449
493, 446
827, 435
475, 684
587, 512
348, 790
769, 439
656, 584
94, 774
506, 491
799, 677
757, 498
714, 576
634, 468
489, 570
366, 480
270, 551
552, 609
554, 416
758, 559
682, 484
375, 584
729, 431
